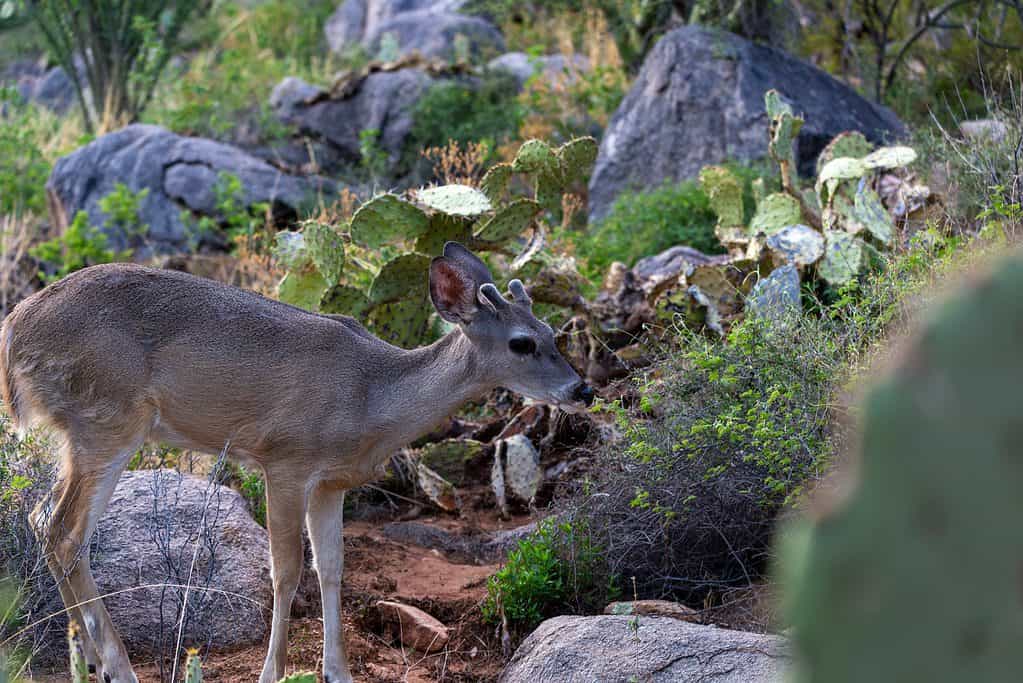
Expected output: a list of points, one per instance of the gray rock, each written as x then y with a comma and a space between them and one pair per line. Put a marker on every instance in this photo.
432, 34
383, 102
426, 26
148, 535
699, 99
612, 649
776, 297
355, 22
180, 173
523, 67
51, 88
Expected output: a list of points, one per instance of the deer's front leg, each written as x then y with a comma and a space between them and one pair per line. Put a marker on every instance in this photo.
285, 505
324, 522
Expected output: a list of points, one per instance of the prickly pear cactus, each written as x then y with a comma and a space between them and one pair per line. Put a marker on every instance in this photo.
915, 574
76, 649
785, 127
338, 269
193, 667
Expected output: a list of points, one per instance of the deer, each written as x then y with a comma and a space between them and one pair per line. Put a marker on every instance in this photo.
117, 355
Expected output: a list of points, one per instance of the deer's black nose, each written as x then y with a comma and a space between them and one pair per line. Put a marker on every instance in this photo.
584, 393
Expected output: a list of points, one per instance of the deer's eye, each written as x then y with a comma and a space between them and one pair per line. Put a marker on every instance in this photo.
522, 345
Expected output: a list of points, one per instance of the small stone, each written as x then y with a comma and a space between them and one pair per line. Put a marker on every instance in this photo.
416, 628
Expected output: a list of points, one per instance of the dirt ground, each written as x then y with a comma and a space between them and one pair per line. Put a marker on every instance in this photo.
448, 586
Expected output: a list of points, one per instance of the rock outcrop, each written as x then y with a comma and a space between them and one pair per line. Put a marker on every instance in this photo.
699, 99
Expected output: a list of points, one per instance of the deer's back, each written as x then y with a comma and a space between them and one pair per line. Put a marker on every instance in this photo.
206, 356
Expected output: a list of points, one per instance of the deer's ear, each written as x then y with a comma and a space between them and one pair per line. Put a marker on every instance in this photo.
452, 290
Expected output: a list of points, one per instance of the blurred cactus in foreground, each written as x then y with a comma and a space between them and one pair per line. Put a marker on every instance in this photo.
915, 575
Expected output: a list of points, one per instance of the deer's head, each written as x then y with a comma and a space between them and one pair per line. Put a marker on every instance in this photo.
517, 349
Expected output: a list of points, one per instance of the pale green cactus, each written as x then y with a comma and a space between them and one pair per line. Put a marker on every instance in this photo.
785, 127
76, 648
327, 275
843, 257
455, 200
848, 144
193, 667
725, 193
913, 573
777, 211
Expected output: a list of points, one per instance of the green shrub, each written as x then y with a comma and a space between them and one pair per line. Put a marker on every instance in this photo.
536, 582
645, 223
79, 246
23, 168
459, 112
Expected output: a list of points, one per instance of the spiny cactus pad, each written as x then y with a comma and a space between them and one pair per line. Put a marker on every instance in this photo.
835, 171
725, 193
509, 222
327, 251
914, 575
439, 490
535, 156
798, 244
387, 218
577, 158
868, 211
402, 323
404, 277
345, 300
193, 667
455, 200
522, 473
302, 288
76, 648
290, 250
443, 229
890, 157
843, 257
777, 211
495, 181
851, 143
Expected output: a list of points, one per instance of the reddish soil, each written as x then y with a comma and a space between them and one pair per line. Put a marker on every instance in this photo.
377, 568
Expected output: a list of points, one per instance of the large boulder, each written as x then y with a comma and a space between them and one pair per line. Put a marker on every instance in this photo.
426, 26
699, 99
383, 101
650, 649
142, 553
182, 176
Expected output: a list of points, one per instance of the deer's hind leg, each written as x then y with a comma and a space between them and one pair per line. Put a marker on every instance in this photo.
90, 468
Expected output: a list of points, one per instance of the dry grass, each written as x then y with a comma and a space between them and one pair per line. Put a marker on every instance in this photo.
455, 164
17, 270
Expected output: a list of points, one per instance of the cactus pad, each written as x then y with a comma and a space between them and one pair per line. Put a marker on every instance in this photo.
798, 244
777, 295
851, 143
535, 156
443, 229
522, 473
402, 323
449, 457
345, 300
301, 677
777, 211
868, 211
577, 158
386, 218
327, 251
508, 223
495, 181
290, 250
890, 157
914, 575
302, 288
402, 278
193, 667
455, 200
725, 193
835, 171
843, 257
439, 490
76, 648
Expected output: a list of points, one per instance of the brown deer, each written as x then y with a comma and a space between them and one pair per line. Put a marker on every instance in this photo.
115, 355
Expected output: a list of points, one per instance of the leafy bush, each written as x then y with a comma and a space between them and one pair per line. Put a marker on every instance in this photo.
644, 223
79, 246
536, 583
23, 168
462, 113
726, 435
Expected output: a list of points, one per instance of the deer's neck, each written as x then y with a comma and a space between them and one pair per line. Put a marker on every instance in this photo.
426, 385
